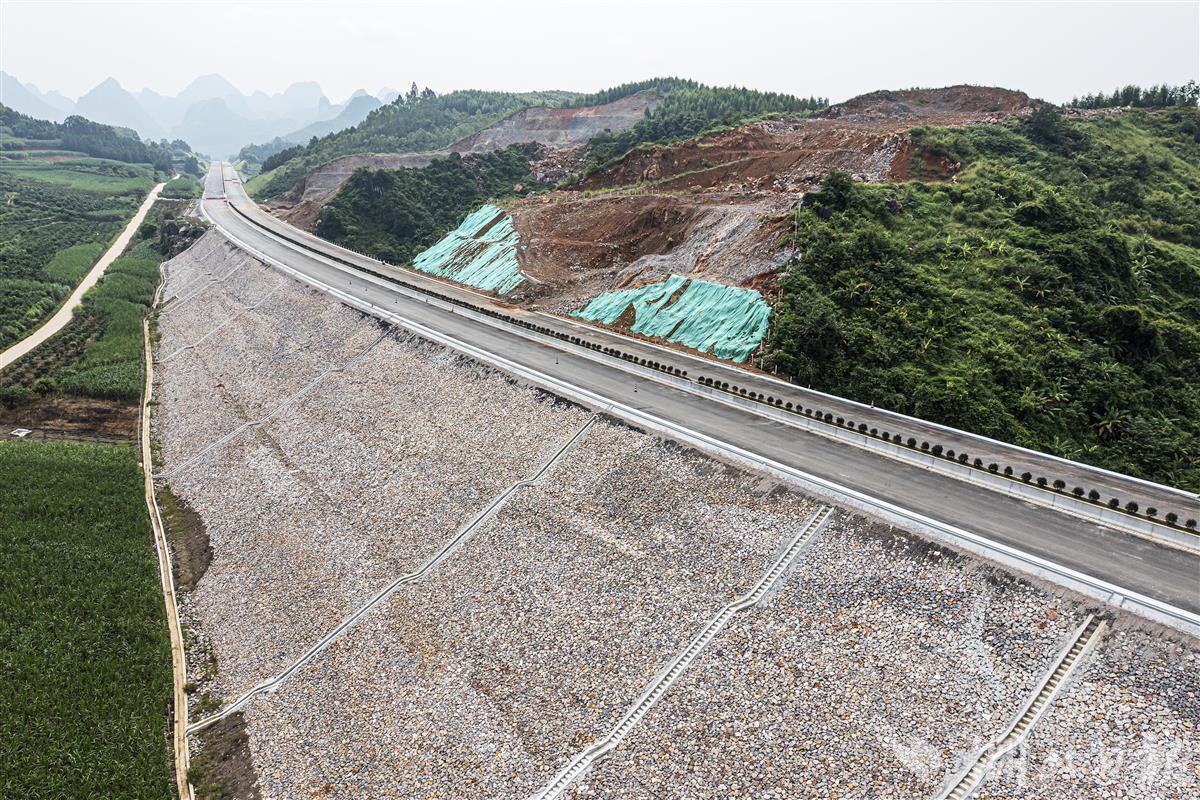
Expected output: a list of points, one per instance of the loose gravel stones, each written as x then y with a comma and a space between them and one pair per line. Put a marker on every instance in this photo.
534, 638
1128, 726
877, 666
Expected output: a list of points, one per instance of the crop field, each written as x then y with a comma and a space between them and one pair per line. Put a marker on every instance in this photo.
85, 663
55, 219
99, 354
184, 187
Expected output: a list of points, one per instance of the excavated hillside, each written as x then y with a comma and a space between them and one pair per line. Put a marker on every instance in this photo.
560, 129
706, 208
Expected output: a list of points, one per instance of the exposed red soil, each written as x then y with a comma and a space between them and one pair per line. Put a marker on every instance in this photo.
710, 207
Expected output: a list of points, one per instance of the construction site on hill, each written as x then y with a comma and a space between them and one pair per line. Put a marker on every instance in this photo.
707, 209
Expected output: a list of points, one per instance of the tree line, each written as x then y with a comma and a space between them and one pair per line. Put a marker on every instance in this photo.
100, 141
1161, 96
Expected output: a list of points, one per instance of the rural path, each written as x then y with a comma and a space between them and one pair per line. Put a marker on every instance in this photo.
67, 311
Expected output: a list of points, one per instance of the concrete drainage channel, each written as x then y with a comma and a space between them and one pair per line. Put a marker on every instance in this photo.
662, 682
1087, 637
464, 533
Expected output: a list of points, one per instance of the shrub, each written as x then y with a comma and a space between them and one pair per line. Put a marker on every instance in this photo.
1114, 503
1172, 517
1191, 524
1027, 476
1131, 507
1008, 471
924, 445
978, 463
937, 449
1151, 512
963, 458
1094, 496
840, 420
1078, 491
993, 467
912, 442
1041, 482
949, 454
1060, 484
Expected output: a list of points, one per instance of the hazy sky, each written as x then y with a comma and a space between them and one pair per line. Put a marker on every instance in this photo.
1051, 50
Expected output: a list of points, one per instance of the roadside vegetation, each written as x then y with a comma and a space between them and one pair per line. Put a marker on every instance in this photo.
66, 190
395, 214
185, 187
85, 661
1049, 296
56, 218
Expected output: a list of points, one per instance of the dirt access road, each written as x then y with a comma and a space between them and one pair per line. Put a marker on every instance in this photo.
67, 311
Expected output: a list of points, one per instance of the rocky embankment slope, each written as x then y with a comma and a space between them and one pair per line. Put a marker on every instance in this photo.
327, 455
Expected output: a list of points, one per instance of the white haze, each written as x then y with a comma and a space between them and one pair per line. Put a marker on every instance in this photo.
1051, 50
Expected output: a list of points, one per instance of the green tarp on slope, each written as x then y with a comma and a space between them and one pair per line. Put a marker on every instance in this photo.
709, 317
481, 252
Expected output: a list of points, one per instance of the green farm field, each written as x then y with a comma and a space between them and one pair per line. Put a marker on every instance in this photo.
85, 662
56, 218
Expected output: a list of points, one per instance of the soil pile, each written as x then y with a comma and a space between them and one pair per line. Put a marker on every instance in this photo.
923, 103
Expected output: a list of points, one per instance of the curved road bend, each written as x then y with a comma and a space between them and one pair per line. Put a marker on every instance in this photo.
1135, 564
67, 311
1109, 484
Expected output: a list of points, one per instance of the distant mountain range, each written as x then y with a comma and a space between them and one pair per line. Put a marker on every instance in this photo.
211, 113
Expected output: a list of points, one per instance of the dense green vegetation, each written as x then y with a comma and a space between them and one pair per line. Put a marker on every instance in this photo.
1049, 297
85, 660
184, 187
1161, 96
52, 215
687, 109
416, 122
79, 135
99, 354
395, 214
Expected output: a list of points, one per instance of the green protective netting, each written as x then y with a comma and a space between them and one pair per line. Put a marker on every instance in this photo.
481, 252
727, 321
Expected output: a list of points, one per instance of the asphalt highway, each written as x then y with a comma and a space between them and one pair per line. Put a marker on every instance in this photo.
1135, 564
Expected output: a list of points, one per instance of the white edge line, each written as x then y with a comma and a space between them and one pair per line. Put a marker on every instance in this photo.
1104, 591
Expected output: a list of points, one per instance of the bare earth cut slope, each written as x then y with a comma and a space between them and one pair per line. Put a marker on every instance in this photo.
327, 455
557, 128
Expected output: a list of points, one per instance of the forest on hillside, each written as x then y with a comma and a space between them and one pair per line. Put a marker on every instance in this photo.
1050, 296
84, 136
395, 214
416, 122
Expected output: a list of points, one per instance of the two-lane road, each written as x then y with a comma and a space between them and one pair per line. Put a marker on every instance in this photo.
1165, 574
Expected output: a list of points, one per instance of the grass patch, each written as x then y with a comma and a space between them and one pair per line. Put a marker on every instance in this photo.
85, 661
184, 187
70, 264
